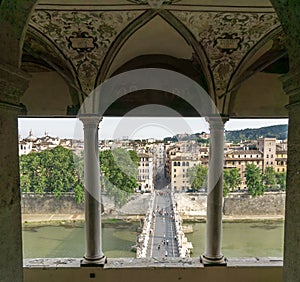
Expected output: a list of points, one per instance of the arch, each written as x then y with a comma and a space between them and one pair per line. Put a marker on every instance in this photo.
53, 58
232, 88
183, 66
14, 20
200, 56
149, 79
245, 61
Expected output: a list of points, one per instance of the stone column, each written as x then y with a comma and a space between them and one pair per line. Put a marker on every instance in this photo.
13, 84
93, 234
291, 271
213, 254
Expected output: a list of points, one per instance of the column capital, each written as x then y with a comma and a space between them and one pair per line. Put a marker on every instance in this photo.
13, 84
217, 122
291, 83
291, 86
90, 119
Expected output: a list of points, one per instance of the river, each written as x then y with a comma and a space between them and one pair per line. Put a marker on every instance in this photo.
239, 240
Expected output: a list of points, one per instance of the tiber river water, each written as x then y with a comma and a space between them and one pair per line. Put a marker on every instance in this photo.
239, 240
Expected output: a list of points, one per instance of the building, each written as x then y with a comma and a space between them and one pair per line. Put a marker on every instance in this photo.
47, 142
244, 55
240, 158
179, 158
267, 154
268, 147
145, 173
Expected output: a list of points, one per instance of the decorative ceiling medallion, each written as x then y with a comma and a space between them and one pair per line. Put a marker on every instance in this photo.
154, 4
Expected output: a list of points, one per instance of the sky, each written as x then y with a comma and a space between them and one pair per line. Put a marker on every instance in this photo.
132, 128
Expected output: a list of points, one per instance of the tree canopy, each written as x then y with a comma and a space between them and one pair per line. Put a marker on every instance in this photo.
119, 172
254, 180
231, 180
59, 171
197, 176
53, 171
269, 177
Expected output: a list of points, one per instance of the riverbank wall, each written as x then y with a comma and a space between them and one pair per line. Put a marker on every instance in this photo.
190, 206
49, 204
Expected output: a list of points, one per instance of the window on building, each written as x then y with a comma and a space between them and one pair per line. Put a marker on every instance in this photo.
174, 175
174, 169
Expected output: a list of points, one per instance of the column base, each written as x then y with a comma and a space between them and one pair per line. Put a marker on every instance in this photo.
93, 262
222, 261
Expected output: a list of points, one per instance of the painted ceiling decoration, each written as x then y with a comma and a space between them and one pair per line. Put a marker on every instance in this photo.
227, 37
83, 37
154, 3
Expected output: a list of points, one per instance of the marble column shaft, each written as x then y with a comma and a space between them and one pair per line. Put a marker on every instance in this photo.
213, 254
93, 247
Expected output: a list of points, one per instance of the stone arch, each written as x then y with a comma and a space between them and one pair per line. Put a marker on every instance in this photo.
200, 56
14, 19
240, 75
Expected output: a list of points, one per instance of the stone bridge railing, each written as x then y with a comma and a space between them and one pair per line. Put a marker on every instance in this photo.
143, 238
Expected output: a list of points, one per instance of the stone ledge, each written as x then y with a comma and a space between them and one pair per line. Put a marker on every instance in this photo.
115, 263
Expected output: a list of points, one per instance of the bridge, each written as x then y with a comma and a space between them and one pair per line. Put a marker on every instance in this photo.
162, 234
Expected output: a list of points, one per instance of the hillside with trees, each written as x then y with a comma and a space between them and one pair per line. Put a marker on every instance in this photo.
275, 131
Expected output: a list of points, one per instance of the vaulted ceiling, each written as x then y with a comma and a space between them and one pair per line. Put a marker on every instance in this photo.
235, 51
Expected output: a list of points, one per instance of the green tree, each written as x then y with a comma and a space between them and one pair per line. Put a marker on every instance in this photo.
254, 180
119, 168
269, 177
231, 180
281, 180
197, 176
51, 171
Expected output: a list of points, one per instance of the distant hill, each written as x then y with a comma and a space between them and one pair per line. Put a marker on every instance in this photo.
277, 131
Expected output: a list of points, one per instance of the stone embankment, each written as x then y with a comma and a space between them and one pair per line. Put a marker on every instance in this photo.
190, 206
